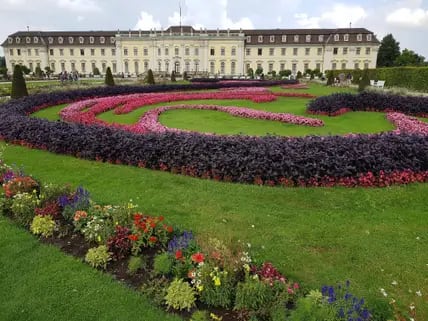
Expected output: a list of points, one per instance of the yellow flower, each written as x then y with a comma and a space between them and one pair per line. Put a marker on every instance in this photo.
217, 281
99, 238
200, 288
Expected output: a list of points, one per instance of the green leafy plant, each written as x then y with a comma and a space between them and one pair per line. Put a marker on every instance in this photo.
23, 206
155, 290
364, 81
136, 263
180, 295
252, 294
162, 264
200, 315
52, 192
19, 87
98, 257
218, 287
309, 310
43, 225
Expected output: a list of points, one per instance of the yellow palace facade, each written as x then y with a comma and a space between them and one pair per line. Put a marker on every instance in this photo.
198, 52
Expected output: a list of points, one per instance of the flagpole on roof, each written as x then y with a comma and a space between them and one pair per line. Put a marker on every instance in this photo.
179, 4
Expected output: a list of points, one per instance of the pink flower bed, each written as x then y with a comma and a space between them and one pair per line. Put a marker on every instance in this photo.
407, 124
295, 86
150, 123
297, 95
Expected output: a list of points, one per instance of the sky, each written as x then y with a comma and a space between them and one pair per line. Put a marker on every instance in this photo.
406, 20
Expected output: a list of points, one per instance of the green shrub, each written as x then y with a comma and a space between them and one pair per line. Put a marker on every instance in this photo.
23, 206
51, 192
109, 81
98, 257
136, 263
180, 295
308, 310
150, 78
155, 290
200, 315
299, 75
162, 264
19, 87
173, 76
253, 294
330, 78
96, 71
185, 76
364, 81
219, 287
43, 225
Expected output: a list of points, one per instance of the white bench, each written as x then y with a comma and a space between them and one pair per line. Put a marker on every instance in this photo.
378, 83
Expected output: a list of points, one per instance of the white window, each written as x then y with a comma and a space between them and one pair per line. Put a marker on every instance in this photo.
36, 40
50, 40
336, 37
346, 37
187, 66
308, 38
29, 52
318, 66
18, 40
112, 39
296, 38
295, 51
270, 67
248, 38
212, 67
233, 67
333, 66
359, 37
368, 50
222, 51
343, 65
125, 51
321, 38
247, 51
11, 52
136, 67
61, 52
103, 52
345, 50
146, 65
283, 51
369, 37
196, 51
260, 39
81, 40
233, 51
36, 52
176, 51
284, 38
102, 40
83, 67
70, 39
166, 53
136, 51
366, 65
71, 52
9, 40
60, 40
113, 51
319, 51
282, 66
307, 51
92, 52
271, 51
305, 66
272, 38
357, 65
187, 51
91, 39
358, 51
28, 40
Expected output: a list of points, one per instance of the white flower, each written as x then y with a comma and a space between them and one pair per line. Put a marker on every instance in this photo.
418, 293
418, 238
383, 292
394, 282
252, 226
412, 306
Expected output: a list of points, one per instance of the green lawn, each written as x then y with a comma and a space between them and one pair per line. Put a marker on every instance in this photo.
314, 235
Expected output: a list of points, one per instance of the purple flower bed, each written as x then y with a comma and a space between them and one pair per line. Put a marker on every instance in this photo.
360, 160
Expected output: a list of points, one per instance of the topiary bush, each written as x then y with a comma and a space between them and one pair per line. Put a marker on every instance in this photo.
364, 81
19, 87
173, 76
150, 78
109, 81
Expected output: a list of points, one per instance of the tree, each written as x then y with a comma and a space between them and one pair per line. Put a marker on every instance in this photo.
2, 62
109, 81
19, 87
3, 72
185, 76
38, 72
259, 71
330, 78
409, 58
364, 81
25, 70
150, 77
299, 75
173, 76
389, 51
284, 73
250, 73
48, 71
96, 71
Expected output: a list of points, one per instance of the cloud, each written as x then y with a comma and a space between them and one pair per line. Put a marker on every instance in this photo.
405, 17
147, 22
340, 16
80, 18
79, 5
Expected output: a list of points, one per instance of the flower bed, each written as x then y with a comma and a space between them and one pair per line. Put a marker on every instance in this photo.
295, 86
359, 160
408, 124
175, 269
337, 104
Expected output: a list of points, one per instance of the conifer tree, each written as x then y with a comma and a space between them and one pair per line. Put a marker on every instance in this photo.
19, 87
109, 81
150, 77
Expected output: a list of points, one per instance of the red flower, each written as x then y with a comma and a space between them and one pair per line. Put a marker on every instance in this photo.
198, 257
138, 217
133, 237
178, 254
161, 218
191, 274
153, 239
169, 229
152, 224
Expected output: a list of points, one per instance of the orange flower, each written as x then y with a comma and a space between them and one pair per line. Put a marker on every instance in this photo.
133, 237
169, 229
191, 274
79, 215
153, 239
178, 254
161, 218
216, 255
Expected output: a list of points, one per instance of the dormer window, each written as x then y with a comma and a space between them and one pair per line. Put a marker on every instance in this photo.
248, 38
308, 38
260, 39
9, 40
112, 39
284, 38
346, 37
321, 38
360, 37
28, 40
50, 40
336, 37
81, 40
102, 40
296, 38
369, 37
91, 39
70, 39
17, 40
60, 40
272, 38
36, 40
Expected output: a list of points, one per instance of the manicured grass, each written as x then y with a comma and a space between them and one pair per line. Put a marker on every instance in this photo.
38, 282
314, 235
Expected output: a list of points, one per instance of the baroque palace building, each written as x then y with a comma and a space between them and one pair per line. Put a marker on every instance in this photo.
202, 52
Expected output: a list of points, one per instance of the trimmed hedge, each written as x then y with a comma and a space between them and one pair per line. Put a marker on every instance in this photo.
369, 101
365, 160
415, 78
